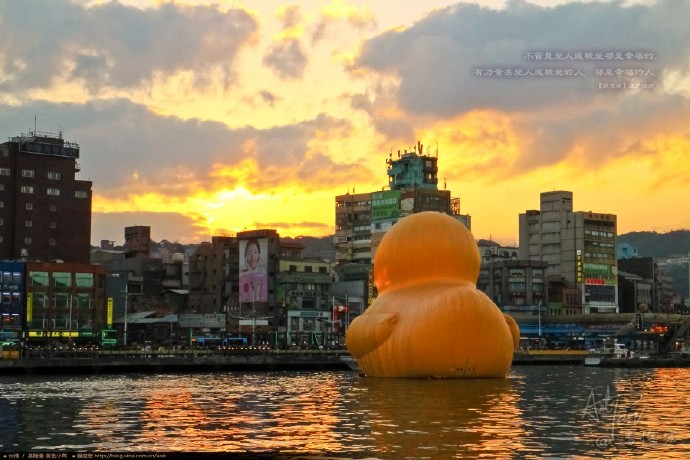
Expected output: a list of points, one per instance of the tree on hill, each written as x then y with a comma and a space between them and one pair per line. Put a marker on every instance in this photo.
675, 243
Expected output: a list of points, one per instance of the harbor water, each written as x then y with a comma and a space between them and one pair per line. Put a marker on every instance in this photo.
536, 412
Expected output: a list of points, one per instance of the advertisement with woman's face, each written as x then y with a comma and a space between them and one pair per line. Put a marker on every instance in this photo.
253, 274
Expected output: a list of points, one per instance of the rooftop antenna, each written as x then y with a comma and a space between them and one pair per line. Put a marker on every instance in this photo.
34, 122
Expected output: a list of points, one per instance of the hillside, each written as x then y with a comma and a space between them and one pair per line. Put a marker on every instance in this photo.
316, 247
653, 244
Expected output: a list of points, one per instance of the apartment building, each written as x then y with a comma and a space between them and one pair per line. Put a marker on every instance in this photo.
580, 249
45, 212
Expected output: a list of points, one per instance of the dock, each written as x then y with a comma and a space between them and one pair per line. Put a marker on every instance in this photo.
551, 357
181, 361
141, 361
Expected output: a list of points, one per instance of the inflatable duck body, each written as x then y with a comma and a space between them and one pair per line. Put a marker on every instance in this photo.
429, 319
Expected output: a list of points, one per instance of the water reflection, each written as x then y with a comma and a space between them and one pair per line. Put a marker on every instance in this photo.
549, 411
422, 418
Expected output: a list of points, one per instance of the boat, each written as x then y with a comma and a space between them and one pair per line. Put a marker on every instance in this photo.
351, 362
614, 350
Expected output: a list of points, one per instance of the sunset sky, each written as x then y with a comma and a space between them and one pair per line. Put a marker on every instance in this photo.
202, 118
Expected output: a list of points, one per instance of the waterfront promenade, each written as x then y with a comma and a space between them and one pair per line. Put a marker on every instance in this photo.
162, 360
249, 359
262, 360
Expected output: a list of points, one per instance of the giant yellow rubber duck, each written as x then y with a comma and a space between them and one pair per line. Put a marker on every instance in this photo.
429, 319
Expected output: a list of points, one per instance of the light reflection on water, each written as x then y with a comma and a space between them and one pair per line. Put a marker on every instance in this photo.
538, 411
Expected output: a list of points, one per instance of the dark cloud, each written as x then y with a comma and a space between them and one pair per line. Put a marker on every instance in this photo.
268, 97
437, 59
119, 138
361, 102
286, 58
327, 24
443, 64
115, 45
164, 226
291, 16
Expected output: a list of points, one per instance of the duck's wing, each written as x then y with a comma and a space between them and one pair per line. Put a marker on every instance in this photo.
367, 332
514, 330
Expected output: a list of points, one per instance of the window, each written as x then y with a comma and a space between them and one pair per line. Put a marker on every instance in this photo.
84, 301
2, 187
61, 300
29, 206
52, 224
27, 173
28, 223
2, 222
51, 241
307, 268
27, 240
27, 189
84, 280
62, 279
53, 175
53, 208
81, 194
2, 204
38, 279
53, 191
38, 300
4, 171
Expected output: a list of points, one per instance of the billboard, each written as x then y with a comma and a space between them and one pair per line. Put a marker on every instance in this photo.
385, 205
253, 273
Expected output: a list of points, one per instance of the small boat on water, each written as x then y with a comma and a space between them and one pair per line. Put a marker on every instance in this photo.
351, 362
613, 350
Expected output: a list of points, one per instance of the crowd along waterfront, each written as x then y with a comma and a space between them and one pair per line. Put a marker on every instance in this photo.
536, 412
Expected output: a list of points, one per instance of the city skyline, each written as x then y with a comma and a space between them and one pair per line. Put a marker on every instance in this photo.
204, 118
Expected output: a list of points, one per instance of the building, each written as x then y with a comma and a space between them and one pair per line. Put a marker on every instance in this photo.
661, 287
45, 212
211, 274
352, 239
579, 247
303, 286
362, 219
258, 312
516, 286
12, 300
634, 292
138, 241
65, 302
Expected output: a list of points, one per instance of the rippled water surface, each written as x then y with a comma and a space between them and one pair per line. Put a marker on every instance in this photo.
537, 412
